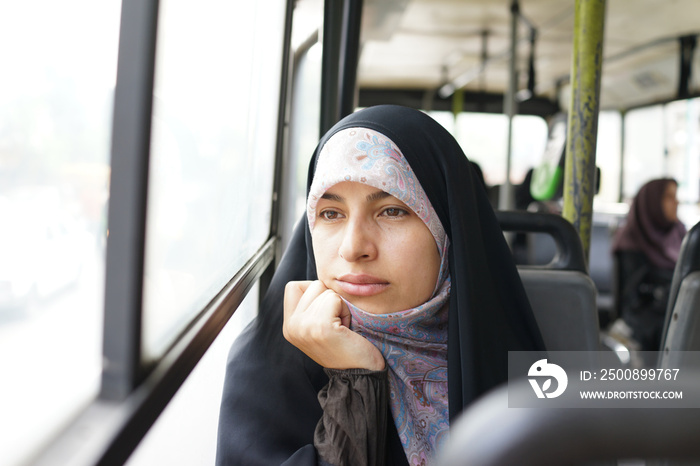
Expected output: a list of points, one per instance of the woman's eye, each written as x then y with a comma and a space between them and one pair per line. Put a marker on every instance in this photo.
329, 215
394, 212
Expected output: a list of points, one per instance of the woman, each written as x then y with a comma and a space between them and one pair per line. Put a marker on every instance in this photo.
646, 250
400, 245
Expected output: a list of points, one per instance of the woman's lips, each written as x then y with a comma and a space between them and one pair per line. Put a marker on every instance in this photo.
361, 284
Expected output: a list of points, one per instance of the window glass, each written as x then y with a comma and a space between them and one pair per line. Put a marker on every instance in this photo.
305, 119
190, 420
484, 139
59, 68
608, 149
305, 123
683, 144
664, 141
682, 160
213, 140
644, 148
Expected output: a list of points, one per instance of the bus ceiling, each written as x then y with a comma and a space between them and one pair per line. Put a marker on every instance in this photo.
537, 57
435, 47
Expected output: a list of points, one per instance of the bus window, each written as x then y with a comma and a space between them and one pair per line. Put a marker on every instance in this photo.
191, 416
59, 62
662, 141
212, 153
608, 147
683, 147
644, 148
305, 120
484, 138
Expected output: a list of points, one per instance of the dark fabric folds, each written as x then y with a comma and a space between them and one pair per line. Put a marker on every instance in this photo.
643, 297
269, 407
352, 428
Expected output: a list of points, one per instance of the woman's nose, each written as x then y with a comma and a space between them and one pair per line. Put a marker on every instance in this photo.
357, 242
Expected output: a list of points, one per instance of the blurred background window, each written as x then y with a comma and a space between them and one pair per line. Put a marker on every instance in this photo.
664, 141
59, 69
484, 139
212, 154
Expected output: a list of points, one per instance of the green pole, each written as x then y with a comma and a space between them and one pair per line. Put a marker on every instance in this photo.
457, 103
586, 68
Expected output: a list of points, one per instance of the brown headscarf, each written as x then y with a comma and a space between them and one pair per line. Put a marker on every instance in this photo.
648, 230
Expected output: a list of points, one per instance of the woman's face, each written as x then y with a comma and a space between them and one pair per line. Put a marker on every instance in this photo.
669, 202
373, 250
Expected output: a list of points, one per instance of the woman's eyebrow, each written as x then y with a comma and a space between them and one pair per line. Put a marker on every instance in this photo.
375, 196
331, 197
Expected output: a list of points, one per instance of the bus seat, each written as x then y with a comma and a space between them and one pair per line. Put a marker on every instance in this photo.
682, 325
600, 264
564, 303
562, 295
541, 248
489, 433
683, 332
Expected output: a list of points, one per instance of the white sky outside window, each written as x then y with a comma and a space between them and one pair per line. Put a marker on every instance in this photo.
608, 148
484, 139
215, 108
644, 148
59, 68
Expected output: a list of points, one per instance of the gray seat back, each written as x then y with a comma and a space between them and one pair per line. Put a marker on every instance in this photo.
564, 303
683, 332
562, 295
601, 266
489, 433
682, 324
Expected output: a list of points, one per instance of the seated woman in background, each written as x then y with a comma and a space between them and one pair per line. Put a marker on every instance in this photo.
646, 249
393, 308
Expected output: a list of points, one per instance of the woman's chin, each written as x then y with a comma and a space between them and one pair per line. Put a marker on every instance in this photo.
372, 306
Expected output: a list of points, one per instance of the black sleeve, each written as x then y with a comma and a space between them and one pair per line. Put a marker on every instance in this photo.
632, 269
269, 405
352, 430
280, 407
644, 287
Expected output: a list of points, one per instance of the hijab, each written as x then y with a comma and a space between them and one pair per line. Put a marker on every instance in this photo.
648, 230
489, 313
269, 409
412, 341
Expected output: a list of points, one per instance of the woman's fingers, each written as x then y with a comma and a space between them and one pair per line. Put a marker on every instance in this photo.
298, 299
313, 291
316, 320
293, 292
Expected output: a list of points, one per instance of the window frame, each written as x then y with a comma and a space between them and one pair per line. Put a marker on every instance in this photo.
133, 395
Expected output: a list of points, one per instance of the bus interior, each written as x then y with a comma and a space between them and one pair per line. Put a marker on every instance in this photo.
153, 161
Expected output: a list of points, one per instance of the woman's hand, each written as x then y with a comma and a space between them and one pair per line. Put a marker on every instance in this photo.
317, 322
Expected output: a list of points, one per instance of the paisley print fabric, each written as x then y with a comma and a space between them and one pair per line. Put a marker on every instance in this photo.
413, 341
414, 344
